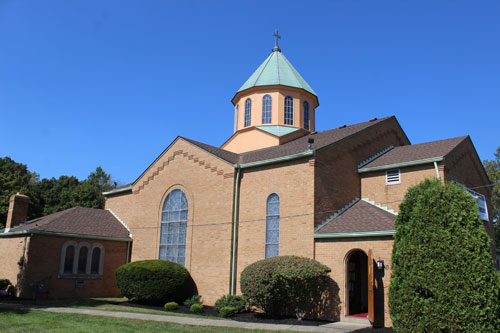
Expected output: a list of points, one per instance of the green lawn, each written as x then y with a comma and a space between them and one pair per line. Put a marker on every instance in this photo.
39, 321
105, 304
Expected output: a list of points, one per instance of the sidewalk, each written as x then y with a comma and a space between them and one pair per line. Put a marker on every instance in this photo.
338, 327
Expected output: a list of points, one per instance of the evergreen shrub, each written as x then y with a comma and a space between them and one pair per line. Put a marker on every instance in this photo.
4, 283
228, 311
171, 306
285, 285
233, 301
443, 278
153, 281
196, 308
195, 299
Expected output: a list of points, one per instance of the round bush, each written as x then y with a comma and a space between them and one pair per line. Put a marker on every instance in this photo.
153, 281
171, 306
228, 311
284, 285
233, 301
196, 308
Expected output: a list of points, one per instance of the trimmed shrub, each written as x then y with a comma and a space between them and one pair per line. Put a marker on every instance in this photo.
195, 299
4, 283
232, 301
171, 306
284, 285
153, 281
443, 278
228, 311
196, 308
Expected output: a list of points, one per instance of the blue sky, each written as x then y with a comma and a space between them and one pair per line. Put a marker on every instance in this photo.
113, 83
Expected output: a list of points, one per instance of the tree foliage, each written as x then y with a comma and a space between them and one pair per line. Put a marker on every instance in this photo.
443, 276
493, 170
48, 196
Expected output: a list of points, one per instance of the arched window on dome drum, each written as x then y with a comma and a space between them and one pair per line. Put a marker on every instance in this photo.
236, 121
288, 110
248, 112
273, 226
267, 109
173, 227
306, 115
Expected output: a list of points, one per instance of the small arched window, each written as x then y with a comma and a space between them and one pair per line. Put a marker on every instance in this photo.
96, 259
236, 118
68, 259
306, 115
82, 260
173, 227
267, 109
273, 226
248, 112
288, 110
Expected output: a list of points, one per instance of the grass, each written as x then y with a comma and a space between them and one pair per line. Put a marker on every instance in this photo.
104, 304
39, 321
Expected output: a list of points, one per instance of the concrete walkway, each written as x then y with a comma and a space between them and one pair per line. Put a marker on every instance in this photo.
338, 327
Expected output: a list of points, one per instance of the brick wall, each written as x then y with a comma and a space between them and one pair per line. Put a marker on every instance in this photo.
334, 253
336, 180
208, 183
43, 262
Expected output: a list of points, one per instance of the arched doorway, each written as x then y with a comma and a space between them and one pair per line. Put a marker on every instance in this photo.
357, 284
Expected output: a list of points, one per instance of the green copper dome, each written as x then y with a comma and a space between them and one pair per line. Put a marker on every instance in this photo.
276, 70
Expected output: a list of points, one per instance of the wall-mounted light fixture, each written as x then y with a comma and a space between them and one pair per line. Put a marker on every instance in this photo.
380, 264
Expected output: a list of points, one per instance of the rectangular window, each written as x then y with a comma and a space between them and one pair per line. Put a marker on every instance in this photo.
481, 203
392, 177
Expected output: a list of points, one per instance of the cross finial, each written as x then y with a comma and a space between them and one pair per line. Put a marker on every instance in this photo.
276, 46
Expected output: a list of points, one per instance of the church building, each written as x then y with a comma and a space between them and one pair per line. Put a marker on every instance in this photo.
275, 187
278, 187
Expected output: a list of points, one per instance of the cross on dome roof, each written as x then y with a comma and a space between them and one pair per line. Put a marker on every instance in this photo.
276, 46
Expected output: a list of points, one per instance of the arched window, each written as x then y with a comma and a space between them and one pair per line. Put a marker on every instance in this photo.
273, 226
248, 112
267, 109
82, 260
69, 256
306, 115
288, 110
96, 259
173, 227
236, 118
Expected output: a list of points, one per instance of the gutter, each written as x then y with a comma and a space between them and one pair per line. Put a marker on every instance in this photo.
356, 234
276, 160
60, 234
235, 231
123, 189
403, 164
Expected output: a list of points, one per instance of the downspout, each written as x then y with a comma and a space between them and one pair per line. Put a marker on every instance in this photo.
128, 252
437, 170
235, 229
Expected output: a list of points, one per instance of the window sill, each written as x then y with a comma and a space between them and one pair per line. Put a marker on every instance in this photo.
80, 276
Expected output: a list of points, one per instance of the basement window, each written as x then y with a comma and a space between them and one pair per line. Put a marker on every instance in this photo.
392, 177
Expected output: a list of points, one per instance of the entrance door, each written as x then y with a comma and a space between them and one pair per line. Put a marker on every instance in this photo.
357, 284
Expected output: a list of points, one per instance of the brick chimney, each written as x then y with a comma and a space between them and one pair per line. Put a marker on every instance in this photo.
18, 210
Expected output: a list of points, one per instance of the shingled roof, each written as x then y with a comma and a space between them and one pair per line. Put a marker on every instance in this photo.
296, 146
361, 216
417, 152
77, 221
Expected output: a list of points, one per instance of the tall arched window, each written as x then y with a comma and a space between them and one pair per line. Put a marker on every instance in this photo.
306, 115
82, 260
173, 227
267, 109
273, 226
288, 110
248, 112
236, 118
96, 260
69, 257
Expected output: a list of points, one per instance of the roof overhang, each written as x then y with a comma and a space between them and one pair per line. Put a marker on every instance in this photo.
118, 190
356, 234
60, 234
308, 153
402, 164
276, 87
